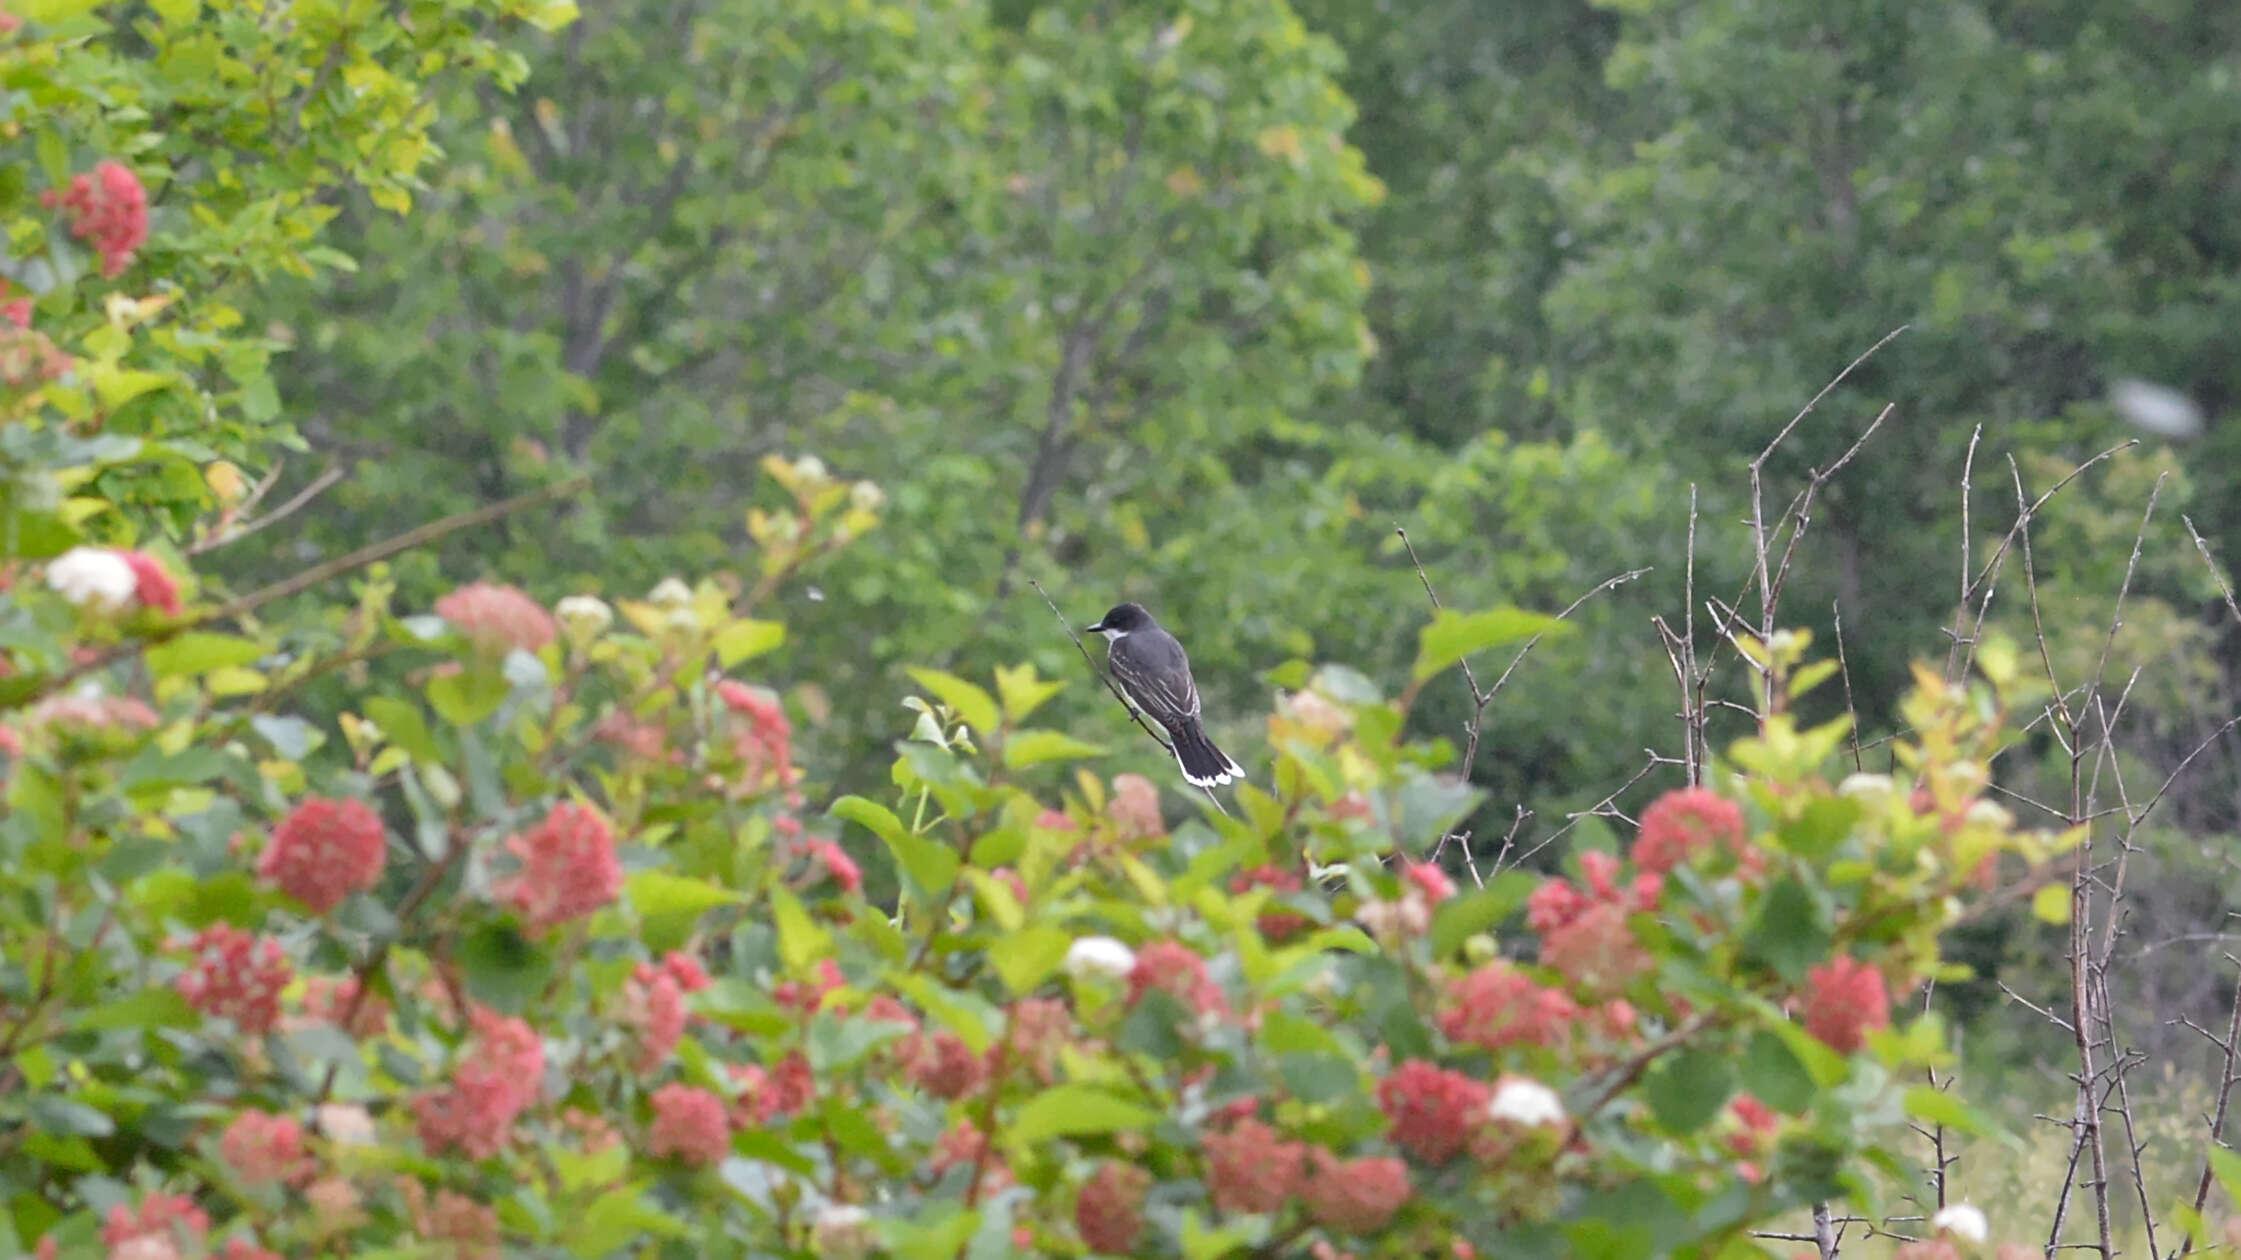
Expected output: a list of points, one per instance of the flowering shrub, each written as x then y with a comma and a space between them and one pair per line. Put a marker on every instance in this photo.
548, 943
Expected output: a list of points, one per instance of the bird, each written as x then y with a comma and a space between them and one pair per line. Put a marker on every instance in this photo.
1155, 675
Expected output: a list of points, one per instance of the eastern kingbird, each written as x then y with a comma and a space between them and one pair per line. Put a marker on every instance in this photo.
1155, 674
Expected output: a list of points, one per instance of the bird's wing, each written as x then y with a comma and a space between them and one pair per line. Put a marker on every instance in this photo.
1156, 674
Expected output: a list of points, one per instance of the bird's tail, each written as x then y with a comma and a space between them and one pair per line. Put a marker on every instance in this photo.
1203, 764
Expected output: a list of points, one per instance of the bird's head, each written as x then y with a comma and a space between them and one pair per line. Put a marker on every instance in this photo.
1121, 620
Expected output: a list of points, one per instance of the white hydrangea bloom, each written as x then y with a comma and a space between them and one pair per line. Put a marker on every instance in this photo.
1099, 956
1527, 1102
586, 616
1962, 1220
93, 578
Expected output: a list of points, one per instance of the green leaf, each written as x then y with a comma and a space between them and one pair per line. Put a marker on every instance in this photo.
402, 725
1774, 1076
199, 652
617, 1217
800, 941
1026, 958
1451, 636
1789, 931
64, 1117
149, 1008
971, 703
1934, 1107
503, 969
1074, 1110
934, 1233
1459, 918
469, 696
1823, 825
291, 737
746, 640
1687, 1089
189, 766
2051, 904
1033, 748
1022, 691
2227, 1165
670, 905
930, 864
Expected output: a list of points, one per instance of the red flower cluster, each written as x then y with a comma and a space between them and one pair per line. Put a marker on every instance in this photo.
807, 998
153, 586
495, 618
686, 971
1172, 967
690, 1124
763, 742
1110, 1210
1354, 1196
1497, 1006
1429, 880
654, 1005
324, 850
471, 1227
1249, 1170
263, 1147
568, 867
1845, 999
1135, 807
1039, 1027
496, 1080
840, 866
1277, 925
1433, 1111
942, 1064
108, 208
1683, 823
330, 999
236, 976
160, 1216
1596, 950
775, 1094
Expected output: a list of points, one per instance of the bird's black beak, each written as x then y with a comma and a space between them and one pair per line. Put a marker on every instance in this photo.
1099, 628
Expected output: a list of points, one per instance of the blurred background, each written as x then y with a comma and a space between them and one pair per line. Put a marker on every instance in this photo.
1193, 302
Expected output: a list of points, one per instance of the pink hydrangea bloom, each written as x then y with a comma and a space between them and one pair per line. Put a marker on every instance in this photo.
1683, 823
654, 1006
568, 867
1248, 1169
495, 617
942, 1064
1433, 1111
337, 1001
1845, 999
108, 209
1354, 1196
1135, 807
496, 1079
153, 586
161, 1216
1429, 880
1497, 1006
324, 850
690, 1124
1596, 951
1172, 966
1109, 1211
234, 975
263, 1147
